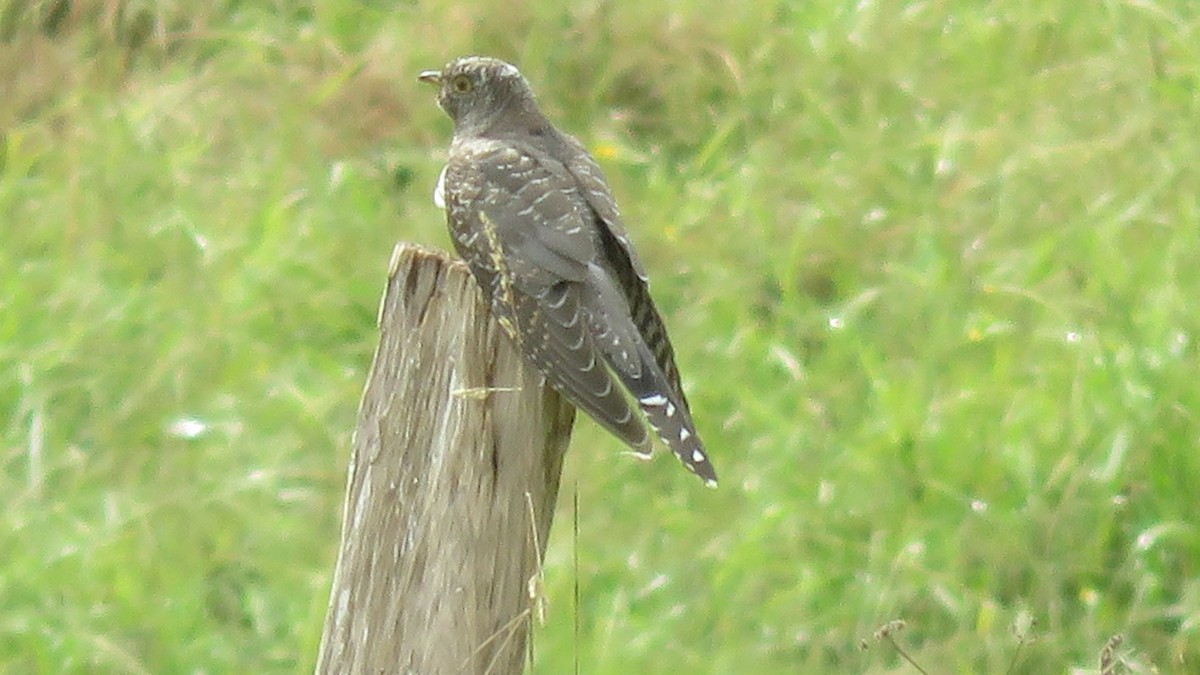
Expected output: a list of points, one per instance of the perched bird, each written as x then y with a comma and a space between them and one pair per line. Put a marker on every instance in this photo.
531, 214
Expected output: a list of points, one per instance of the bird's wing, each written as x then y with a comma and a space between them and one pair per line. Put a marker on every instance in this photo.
627, 327
563, 286
623, 261
594, 188
524, 230
556, 339
619, 287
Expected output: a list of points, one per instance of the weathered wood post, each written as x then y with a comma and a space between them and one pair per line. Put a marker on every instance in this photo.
453, 478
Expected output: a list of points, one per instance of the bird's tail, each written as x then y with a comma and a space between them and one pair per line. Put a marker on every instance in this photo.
668, 414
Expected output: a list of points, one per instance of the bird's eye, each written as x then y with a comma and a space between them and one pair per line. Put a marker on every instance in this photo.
462, 84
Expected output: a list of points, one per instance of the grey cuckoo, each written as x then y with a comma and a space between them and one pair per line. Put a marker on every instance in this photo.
530, 213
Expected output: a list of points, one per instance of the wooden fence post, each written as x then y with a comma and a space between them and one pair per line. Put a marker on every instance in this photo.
453, 477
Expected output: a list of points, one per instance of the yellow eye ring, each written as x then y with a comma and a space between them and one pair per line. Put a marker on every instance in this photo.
461, 84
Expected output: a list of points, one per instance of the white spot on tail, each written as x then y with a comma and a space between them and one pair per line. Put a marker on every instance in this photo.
697, 456
670, 409
655, 400
684, 434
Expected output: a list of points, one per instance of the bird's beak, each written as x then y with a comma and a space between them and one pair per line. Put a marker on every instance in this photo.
431, 77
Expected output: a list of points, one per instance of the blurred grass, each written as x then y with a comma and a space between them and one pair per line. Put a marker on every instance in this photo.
929, 268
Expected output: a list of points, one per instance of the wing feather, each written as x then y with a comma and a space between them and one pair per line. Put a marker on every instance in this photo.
557, 340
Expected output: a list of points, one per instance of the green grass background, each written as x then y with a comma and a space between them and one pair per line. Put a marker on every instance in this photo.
929, 268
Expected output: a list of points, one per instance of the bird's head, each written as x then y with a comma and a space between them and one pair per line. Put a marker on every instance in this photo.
479, 92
